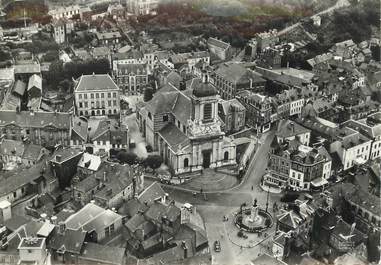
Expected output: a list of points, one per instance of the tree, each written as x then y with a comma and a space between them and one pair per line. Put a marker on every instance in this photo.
65, 85
127, 157
153, 161
148, 93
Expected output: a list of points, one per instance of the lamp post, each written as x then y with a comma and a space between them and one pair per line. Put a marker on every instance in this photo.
267, 199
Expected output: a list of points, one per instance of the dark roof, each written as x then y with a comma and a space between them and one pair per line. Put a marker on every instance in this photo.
152, 193
203, 89
101, 253
287, 128
132, 207
32, 152
70, 241
138, 69
157, 211
19, 87
175, 138
218, 43
36, 119
265, 259
96, 82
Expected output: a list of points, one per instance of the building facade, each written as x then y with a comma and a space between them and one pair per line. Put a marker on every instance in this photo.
96, 95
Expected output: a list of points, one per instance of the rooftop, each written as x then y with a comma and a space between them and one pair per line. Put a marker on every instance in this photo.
95, 82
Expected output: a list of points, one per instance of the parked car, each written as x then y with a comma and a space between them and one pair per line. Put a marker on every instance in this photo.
217, 246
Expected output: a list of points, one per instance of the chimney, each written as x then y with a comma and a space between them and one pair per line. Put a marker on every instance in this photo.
205, 77
134, 185
183, 245
104, 177
61, 228
58, 158
53, 220
182, 85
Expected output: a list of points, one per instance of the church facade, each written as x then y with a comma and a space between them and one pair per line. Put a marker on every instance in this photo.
184, 127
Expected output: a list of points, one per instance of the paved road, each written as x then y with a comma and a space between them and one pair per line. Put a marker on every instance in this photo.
219, 204
339, 4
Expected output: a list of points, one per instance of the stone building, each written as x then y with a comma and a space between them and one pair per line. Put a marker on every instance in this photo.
183, 126
41, 128
96, 95
131, 78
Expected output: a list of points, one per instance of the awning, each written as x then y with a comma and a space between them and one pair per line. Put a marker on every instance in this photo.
319, 182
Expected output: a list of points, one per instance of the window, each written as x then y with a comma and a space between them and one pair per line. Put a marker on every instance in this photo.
102, 95
165, 118
208, 111
109, 94
114, 101
186, 162
109, 103
92, 95
184, 129
80, 104
226, 155
80, 96
114, 94
178, 124
97, 95
149, 115
85, 96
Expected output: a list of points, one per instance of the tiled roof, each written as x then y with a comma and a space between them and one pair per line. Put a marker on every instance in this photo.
152, 193
95, 82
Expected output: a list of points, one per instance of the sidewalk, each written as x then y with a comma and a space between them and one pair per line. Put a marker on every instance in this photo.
273, 190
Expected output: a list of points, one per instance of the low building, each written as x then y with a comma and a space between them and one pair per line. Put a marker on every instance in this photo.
187, 61
109, 39
101, 254
219, 48
370, 127
110, 186
233, 115
97, 222
141, 7
231, 78
352, 147
289, 130
344, 237
65, 12
42, 128
32, 250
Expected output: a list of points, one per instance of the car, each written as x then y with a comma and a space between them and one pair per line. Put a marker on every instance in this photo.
217, 246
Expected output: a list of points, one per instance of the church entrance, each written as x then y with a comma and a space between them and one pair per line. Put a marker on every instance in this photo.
206, 158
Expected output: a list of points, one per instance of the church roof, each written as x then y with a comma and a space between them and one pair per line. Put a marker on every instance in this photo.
203, 89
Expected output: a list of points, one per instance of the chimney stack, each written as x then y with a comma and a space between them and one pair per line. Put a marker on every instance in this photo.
58, 158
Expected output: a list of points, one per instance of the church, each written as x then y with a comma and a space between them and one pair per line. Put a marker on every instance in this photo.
184, 127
